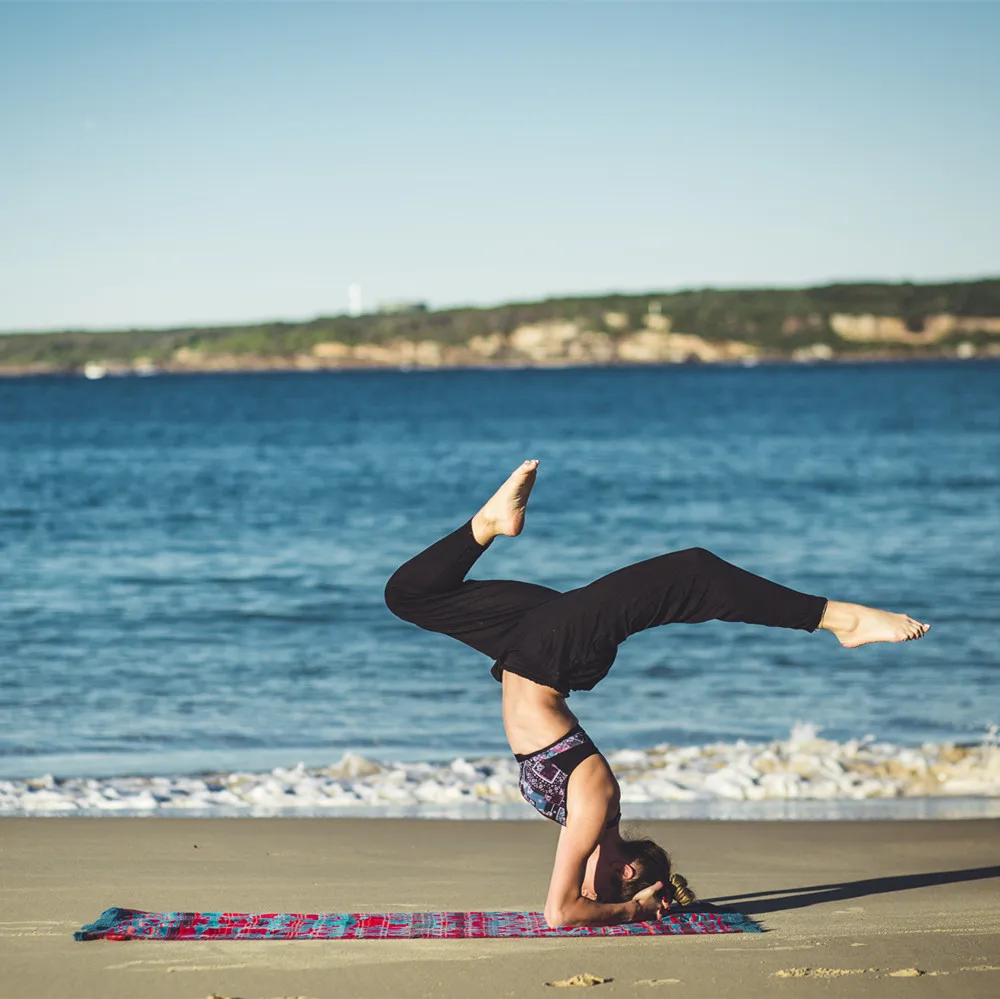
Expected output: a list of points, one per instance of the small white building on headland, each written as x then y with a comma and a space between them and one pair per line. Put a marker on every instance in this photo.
400, 307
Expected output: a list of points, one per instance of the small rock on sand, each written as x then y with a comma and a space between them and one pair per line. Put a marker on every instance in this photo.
906, 973
579, 981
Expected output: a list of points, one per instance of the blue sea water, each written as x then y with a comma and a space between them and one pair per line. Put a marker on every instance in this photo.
191, 567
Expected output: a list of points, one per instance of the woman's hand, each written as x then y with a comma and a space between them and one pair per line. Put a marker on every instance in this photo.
650, 903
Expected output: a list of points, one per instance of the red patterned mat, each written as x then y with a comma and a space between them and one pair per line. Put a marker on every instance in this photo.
133, 924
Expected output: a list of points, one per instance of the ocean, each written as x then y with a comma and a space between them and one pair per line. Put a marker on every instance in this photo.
191, 574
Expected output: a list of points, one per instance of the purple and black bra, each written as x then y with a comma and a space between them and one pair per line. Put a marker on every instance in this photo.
545, 773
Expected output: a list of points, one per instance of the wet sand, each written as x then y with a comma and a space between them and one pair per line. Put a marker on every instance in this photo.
847, 906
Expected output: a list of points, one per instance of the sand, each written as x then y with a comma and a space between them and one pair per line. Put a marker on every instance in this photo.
905, 909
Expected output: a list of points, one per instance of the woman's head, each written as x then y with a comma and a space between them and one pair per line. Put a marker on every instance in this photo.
645, 863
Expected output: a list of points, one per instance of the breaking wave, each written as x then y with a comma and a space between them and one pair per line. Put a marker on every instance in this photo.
803, 776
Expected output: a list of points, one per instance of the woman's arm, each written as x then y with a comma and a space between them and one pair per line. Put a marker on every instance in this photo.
566, 906
593, 788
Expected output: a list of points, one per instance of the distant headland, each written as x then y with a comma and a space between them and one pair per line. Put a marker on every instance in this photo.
739, 326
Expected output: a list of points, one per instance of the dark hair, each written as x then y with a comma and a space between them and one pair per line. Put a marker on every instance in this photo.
652, 863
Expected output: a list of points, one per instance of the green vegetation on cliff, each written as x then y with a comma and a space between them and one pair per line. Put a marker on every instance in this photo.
775, 322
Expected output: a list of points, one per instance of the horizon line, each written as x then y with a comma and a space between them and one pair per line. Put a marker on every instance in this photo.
203, 324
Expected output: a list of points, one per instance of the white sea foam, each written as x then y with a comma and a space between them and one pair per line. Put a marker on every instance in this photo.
725, 780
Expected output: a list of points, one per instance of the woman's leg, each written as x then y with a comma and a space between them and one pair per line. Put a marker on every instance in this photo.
689, 587
432, 592
578, 633
583, 627
695, 585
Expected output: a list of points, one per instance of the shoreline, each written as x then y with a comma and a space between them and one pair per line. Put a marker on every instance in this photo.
265, 366
870, 320
860, 902
790, 811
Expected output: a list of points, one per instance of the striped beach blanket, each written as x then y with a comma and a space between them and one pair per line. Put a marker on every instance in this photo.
133, 924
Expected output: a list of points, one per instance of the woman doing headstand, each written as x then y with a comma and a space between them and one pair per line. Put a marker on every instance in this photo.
546, 643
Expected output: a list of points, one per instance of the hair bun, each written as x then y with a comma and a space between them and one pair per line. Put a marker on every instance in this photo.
682, 894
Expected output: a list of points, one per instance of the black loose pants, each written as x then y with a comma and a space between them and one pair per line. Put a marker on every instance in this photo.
568, 641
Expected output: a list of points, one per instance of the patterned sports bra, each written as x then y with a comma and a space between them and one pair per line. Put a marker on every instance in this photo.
545, 773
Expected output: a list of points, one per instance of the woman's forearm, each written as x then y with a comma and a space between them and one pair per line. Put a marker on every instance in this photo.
586, 912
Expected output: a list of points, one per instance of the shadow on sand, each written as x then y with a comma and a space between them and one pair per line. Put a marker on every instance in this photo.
798, 898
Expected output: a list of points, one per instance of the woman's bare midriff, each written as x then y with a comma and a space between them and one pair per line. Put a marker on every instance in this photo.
534, 715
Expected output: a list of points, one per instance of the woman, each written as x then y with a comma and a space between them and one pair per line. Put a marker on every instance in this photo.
546, 643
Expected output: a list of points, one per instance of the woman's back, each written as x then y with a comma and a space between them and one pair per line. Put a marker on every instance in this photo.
533, 716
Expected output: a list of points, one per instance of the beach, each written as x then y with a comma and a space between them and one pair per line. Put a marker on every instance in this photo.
846, 907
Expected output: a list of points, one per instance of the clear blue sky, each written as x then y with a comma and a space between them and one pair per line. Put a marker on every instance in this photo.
171, 163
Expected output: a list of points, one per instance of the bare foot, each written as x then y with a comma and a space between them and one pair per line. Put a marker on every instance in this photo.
504, 511
856, 625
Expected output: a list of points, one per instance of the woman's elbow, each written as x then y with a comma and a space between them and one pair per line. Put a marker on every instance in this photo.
561, 916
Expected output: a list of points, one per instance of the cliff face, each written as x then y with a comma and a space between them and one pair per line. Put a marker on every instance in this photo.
545, 344
558, 343
891, 329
